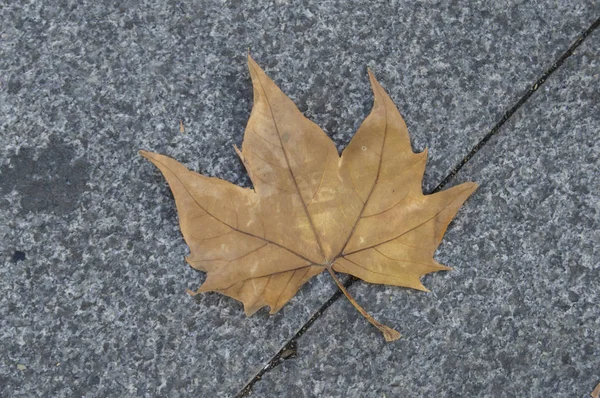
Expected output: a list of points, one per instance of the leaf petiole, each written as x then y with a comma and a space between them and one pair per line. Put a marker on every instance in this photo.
388, 333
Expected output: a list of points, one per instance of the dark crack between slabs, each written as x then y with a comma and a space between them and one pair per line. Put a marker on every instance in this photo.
518, 105
288, 351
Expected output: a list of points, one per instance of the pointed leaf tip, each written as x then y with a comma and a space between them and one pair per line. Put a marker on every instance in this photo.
443, 267
422, 288
379, 93
373, 79
470, 186
146, 154
251, 62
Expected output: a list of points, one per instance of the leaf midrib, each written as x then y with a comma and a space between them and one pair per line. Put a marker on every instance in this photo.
287, 161
362, 210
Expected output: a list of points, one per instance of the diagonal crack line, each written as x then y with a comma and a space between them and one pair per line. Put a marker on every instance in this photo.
518, 105
291, 345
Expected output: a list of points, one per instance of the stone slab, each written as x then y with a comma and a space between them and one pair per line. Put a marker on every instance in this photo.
92, 274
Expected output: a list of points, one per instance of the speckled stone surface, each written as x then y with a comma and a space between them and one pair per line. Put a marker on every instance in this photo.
92, 273
520, 315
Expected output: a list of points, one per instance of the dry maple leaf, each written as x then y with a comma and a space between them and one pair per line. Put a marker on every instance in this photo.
363, 213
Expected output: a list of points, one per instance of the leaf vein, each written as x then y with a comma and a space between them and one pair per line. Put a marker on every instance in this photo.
238, 230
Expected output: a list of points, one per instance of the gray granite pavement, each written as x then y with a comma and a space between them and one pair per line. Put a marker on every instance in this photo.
92, 274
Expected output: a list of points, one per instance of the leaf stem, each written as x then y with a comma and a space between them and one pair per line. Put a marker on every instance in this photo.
388, 333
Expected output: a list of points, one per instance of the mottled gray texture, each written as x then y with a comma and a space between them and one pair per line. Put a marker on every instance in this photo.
92, 274
519, 316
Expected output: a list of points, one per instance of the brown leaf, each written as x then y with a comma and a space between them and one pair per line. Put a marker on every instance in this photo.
363, 213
